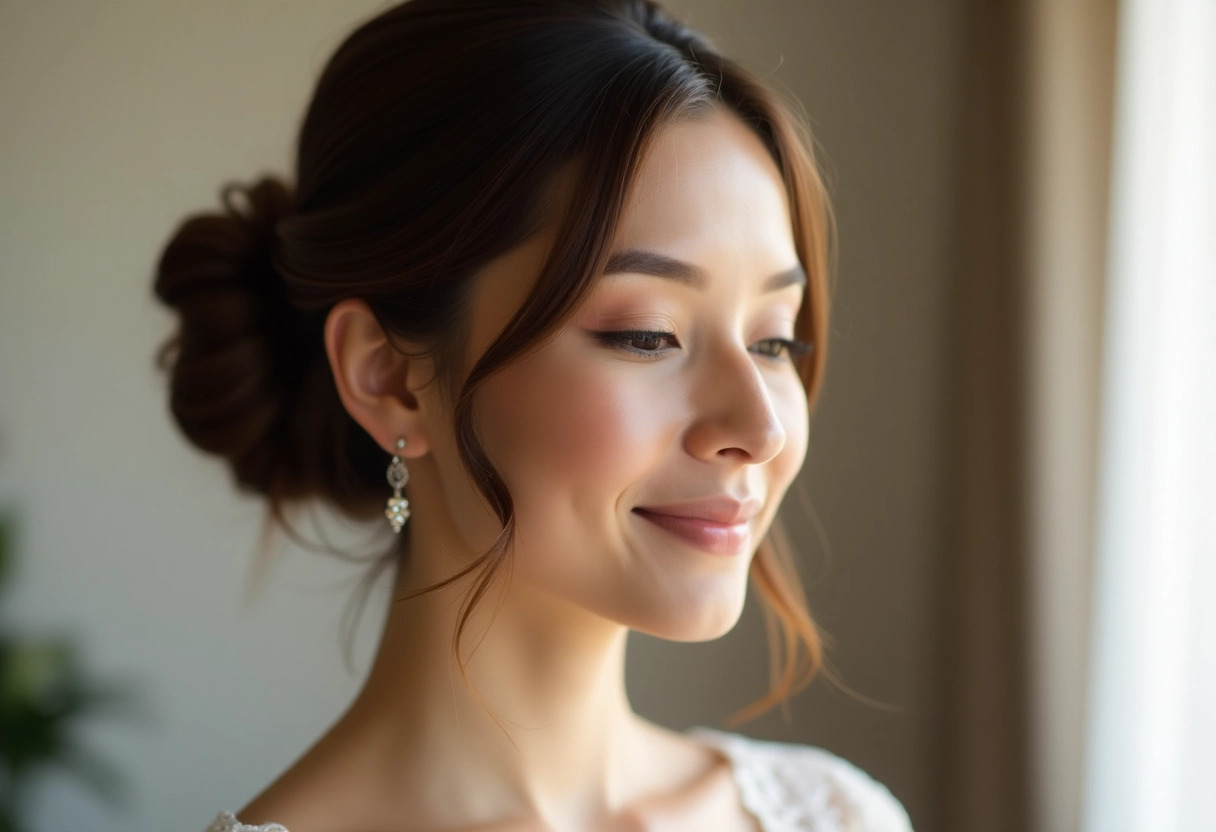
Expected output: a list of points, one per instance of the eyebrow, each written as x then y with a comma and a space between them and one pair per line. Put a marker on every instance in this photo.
636, 261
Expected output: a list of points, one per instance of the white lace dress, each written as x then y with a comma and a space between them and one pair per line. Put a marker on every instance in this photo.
788, 787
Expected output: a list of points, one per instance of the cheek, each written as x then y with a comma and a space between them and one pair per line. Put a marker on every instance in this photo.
567, 436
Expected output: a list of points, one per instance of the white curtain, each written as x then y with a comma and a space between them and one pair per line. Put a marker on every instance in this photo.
1151, 732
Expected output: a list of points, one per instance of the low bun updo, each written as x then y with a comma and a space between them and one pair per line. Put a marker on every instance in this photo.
248, 379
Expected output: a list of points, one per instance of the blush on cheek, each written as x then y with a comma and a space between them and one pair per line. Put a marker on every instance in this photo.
572, 433
572, 427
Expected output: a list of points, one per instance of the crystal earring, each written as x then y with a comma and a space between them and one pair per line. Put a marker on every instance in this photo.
398, 510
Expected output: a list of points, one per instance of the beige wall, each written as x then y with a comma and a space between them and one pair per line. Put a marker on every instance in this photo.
122, 117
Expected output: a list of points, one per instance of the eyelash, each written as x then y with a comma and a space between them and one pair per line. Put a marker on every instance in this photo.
620, 340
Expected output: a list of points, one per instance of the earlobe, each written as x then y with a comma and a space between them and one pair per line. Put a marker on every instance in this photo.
373, 378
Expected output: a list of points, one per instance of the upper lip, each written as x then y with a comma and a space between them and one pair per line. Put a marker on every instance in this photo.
715, 509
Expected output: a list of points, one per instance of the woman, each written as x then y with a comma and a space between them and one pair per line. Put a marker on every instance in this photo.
558, 272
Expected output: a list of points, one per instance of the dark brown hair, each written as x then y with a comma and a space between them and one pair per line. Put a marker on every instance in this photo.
431, 146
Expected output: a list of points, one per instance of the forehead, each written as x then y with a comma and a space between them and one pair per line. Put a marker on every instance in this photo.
708, 189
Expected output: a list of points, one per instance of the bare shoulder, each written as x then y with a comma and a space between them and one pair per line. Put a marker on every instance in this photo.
316, 793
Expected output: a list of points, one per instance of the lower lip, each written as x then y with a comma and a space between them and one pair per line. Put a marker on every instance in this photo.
714, 538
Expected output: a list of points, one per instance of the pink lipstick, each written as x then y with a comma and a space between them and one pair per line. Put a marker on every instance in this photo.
710, 536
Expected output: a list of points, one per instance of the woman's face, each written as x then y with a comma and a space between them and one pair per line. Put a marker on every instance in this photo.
648, 445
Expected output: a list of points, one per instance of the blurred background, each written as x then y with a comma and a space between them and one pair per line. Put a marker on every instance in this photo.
1011, 539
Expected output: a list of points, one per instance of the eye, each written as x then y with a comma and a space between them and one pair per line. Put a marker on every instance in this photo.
793, 347
647, 342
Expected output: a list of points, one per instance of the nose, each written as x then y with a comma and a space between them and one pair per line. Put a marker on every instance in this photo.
734, 412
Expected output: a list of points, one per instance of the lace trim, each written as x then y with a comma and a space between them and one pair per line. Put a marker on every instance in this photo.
227, 822
784, 785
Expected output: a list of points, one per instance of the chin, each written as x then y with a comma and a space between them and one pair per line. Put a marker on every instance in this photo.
703, 621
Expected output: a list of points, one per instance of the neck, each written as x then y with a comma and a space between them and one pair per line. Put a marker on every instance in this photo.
551, 672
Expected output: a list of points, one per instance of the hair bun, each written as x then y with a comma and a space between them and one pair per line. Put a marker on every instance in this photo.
265, 203
241, 348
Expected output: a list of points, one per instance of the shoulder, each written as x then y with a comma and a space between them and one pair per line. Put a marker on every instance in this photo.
227, 822
804, 787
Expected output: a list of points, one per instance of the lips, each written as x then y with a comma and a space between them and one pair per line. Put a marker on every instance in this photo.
718, 526
725, 510
705, 535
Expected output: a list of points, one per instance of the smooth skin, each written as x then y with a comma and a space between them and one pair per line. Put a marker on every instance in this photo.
582, 431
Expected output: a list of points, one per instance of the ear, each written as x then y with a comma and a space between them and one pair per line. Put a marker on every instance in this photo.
379, 386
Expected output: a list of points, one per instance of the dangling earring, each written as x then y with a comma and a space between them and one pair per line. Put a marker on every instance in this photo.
398, 510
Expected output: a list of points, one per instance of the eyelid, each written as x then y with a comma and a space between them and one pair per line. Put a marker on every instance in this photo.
650, 320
